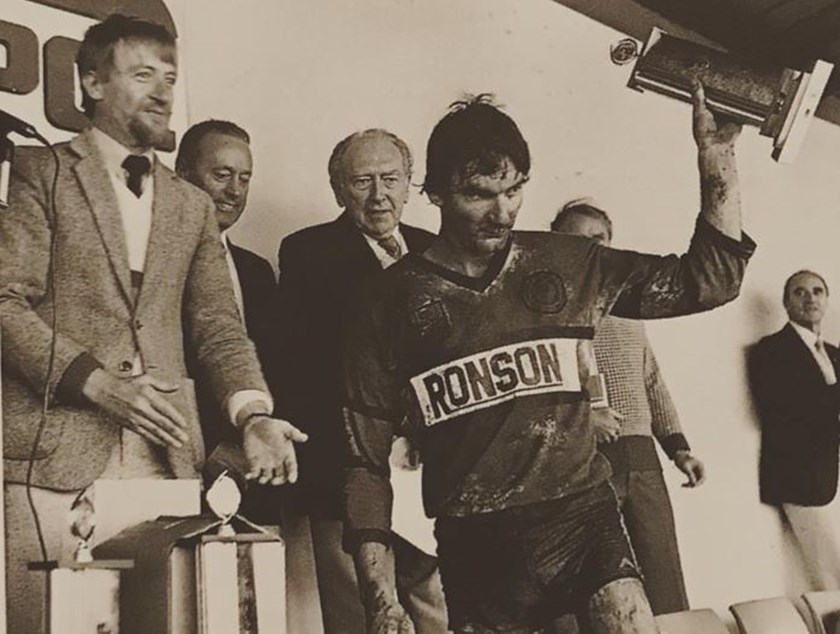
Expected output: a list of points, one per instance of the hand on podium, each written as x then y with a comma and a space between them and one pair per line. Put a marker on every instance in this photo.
269, 449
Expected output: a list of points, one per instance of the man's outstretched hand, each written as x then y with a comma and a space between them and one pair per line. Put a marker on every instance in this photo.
269, 446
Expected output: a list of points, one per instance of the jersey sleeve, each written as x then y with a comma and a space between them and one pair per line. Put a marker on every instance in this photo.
373, 408
707, 275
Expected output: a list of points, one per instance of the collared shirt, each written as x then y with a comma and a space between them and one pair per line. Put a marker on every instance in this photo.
810, 339
234, 277
136, 214
379, 251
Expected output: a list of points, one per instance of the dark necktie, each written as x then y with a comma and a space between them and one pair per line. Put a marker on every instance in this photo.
137, 167
392, 246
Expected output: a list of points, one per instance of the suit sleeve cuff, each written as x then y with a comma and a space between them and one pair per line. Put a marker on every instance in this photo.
69, 387
245, 403
673, 443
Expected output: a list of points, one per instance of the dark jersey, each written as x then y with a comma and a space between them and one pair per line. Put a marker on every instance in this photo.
488, 375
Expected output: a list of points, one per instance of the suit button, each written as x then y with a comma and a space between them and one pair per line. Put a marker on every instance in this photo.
126, 366
138, 325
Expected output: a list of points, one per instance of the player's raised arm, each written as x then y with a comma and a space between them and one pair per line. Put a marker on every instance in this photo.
715, 138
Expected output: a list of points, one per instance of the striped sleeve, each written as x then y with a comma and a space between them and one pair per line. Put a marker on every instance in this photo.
664, 418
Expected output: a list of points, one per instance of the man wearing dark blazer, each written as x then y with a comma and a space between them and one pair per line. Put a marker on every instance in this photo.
216, 156
92, 291
793, 376
322, 268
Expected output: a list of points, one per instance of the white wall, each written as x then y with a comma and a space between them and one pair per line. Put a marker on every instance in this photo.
301, 75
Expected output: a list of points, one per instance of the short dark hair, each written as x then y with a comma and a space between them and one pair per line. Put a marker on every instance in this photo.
96, 53
580, 207
474, 137
334, 165
789, 281
191, 141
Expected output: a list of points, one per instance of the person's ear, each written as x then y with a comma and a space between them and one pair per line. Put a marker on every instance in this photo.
92, 85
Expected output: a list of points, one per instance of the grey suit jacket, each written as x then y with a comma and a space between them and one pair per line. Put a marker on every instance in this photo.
97, 319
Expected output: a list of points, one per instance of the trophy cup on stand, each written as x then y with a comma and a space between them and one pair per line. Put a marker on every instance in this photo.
82, 528
223, 498
213, 573
240, 573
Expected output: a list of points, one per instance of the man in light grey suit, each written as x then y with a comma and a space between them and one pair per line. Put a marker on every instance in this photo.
92, 291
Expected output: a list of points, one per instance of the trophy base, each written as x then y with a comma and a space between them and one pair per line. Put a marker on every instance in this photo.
83, 597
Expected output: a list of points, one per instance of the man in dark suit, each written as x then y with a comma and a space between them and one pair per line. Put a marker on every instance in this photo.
216, 157
92, 292
793, 375
321, 270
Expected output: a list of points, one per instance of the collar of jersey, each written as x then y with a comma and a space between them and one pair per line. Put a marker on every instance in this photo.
479, 284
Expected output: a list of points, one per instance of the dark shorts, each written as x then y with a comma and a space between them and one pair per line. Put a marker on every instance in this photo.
519, 569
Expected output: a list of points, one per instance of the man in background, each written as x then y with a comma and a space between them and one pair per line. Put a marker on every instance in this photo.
92, 294
216, 157
322, 269
793, 375
638, 409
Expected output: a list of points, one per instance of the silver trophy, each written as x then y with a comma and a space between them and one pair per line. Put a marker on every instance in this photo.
83, 523
223, 498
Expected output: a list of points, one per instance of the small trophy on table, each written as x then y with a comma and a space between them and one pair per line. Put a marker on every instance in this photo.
97, 580
84, 523
223, 498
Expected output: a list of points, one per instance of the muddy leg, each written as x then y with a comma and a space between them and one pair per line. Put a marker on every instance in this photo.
621, 607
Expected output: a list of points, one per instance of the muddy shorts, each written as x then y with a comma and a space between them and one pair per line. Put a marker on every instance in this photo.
519, 569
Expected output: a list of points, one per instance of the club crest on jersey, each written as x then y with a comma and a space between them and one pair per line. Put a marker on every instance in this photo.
494, 376
544, 292
431, 319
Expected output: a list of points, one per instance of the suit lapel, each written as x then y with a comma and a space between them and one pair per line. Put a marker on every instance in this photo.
99, 192
163, 237
409, 235
832, 354
246, 277
356, 248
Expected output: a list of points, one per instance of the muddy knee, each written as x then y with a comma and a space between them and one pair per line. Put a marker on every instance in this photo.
621, 606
